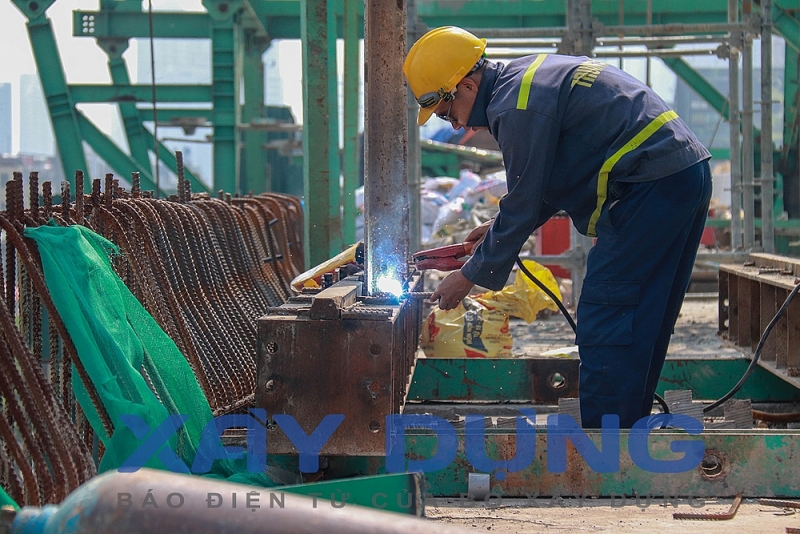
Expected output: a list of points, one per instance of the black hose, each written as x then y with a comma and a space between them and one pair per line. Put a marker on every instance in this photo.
569, 318
548, 293
756, 353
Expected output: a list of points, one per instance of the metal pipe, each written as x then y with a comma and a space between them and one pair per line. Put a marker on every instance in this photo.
150, 502
414, 149
660, 41
386, 217
655, 29
664, 41
735, 146
490, 33
767, 178
512, 54
662, 52
748, 203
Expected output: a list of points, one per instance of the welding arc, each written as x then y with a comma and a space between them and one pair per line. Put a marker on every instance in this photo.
571, 322
756, 353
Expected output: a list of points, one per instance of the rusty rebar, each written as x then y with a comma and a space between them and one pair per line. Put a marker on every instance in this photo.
65, 201
179, 165
723, 516
108, 193
135, 185
47, 200
79, 197
779, 503
33, 192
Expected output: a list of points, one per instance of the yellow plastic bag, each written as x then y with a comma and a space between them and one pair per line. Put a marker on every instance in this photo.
478, 327
524, 299
468, 331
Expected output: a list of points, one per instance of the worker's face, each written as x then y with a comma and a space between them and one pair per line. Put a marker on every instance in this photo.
457, 111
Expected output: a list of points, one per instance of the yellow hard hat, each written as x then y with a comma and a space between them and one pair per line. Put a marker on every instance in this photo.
437, 62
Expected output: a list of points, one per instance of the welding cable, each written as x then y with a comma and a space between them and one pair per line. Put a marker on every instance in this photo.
756, 353
548, 293
571, 322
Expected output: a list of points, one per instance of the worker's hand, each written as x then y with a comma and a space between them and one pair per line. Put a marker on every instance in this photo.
477, 235
452, 290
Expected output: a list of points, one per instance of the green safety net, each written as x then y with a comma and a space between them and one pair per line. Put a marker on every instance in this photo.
6, 500
132, 363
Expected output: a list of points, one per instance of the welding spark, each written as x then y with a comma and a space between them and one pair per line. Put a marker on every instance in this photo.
387, 284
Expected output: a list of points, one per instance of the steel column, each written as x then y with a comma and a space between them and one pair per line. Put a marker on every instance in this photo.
350, 152
735, 136
335, 242
789, 152
319, 174
748, 193
386, 218
254, 162
767, 178
224, 98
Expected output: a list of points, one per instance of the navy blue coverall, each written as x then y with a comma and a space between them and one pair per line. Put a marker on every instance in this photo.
585, 137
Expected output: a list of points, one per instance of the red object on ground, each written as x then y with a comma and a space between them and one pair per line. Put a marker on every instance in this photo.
709, 237
553, 239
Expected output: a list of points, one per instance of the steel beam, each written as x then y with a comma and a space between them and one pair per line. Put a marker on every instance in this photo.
750, 296
755, 463
386, 217
127, 24
337, 352
102, 93
512, 379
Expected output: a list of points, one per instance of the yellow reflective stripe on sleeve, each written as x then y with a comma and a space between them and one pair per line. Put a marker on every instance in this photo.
605, 170
527, 78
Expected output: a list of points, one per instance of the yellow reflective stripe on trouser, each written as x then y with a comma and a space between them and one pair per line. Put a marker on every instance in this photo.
605, 170
527, 78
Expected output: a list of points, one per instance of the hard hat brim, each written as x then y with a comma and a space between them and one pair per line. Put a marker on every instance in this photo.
424, 115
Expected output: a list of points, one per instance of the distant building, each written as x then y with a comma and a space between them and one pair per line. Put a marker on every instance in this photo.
35, 128
5, 118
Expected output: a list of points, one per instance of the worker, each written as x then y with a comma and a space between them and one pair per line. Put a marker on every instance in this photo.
584, 137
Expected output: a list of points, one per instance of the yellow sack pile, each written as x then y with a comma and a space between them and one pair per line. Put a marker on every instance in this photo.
478, 326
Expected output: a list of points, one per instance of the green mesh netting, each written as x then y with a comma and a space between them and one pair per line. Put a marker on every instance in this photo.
123, 348
6, 500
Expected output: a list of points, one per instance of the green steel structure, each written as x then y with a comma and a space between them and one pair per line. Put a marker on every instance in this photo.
241, 30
